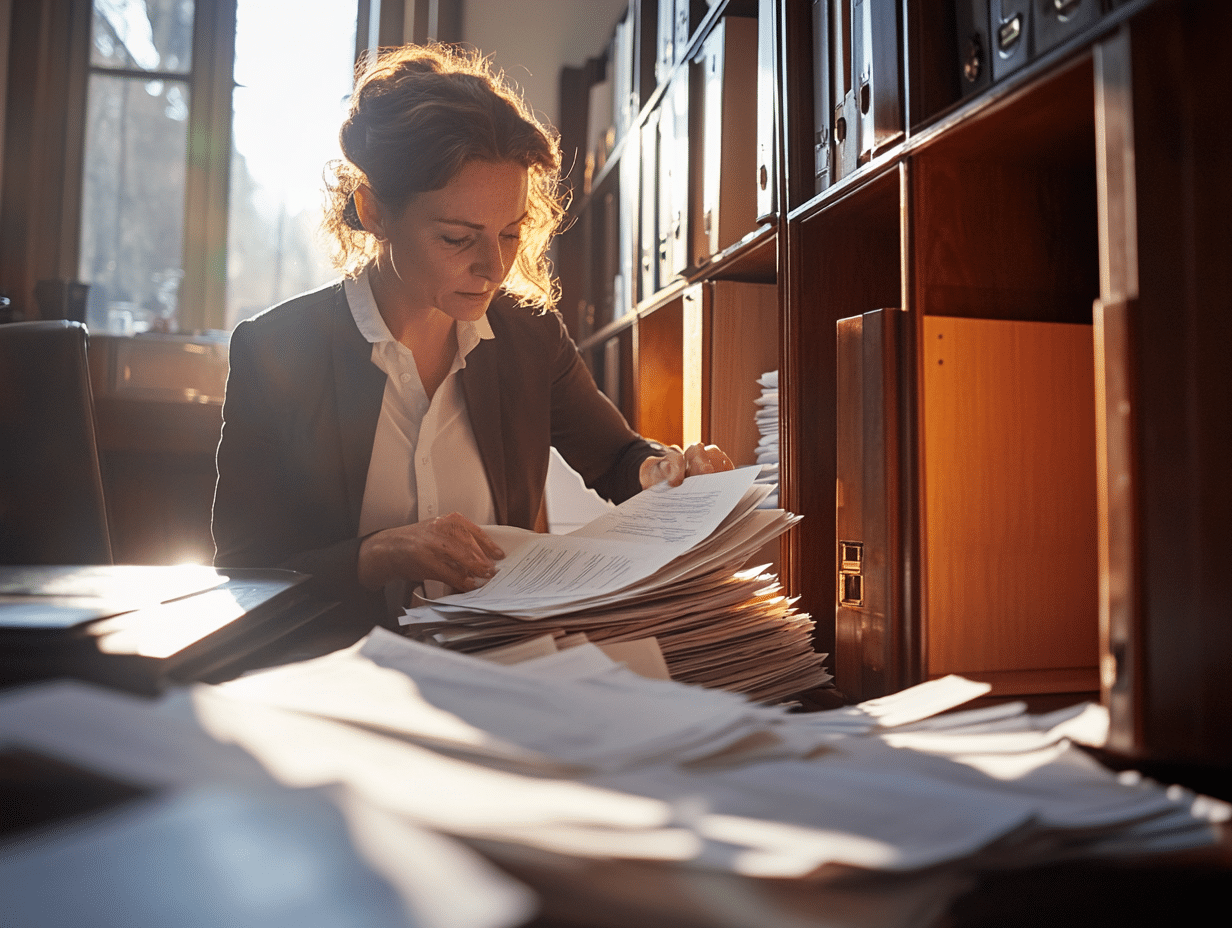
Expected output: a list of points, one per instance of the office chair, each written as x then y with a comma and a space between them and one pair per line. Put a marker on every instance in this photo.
52, 509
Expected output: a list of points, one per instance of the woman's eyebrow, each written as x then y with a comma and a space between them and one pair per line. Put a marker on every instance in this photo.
477, 226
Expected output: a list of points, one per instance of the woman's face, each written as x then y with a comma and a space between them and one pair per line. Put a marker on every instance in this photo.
451, 248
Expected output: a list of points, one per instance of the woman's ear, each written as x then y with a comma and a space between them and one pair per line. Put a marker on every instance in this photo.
368, 208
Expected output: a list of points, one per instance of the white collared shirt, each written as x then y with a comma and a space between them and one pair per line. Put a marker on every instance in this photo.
425, 462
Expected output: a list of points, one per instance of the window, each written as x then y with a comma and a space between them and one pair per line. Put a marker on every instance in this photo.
293, 76
132, 206
208, 125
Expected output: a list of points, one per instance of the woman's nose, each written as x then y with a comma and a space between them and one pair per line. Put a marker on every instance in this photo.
489, 260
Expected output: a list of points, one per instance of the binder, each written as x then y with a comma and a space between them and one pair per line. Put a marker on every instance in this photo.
727, 206
845, 125
600, 131
822, 104
665, 43
141, 629
648, 235
613, 366
877, 55
645, 51
620, 70
607, 261
766, 178
1009, 30
629, 177
689, 15
997, 37
673, 231
974, 49
1057, 20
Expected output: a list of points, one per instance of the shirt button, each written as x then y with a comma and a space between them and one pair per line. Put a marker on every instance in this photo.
405, 378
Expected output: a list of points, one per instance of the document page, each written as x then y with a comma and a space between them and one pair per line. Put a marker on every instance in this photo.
616, 550
682, 515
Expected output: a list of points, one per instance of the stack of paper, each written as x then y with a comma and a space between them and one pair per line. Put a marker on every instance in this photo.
573, 755
767, 419
665, 565
730, 630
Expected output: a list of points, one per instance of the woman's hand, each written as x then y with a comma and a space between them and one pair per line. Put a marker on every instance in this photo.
451, 548
674, 466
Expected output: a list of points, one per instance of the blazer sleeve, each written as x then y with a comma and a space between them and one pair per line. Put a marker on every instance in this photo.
275, 503
589, 431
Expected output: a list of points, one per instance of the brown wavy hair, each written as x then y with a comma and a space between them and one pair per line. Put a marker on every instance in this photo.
418, 114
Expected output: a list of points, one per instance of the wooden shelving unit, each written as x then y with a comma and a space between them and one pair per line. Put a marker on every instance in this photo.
1068, 217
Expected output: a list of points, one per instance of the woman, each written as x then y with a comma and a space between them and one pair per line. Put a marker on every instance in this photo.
371, 427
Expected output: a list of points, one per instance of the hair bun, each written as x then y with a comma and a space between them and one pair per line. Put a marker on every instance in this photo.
350, 214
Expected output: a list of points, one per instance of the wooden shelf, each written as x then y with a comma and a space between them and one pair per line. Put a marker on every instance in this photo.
1073, 195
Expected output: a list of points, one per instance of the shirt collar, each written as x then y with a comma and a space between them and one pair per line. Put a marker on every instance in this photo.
373, 328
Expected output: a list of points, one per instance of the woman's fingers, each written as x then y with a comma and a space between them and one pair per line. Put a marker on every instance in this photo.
667, 468
706, 459
465, 555
450, 548
674, 465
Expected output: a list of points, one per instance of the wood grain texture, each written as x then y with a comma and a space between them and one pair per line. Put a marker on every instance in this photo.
659, 374
1009, 470
743, 345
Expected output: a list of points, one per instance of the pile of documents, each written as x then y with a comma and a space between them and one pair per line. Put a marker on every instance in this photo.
880, 811
767, 419
663, 569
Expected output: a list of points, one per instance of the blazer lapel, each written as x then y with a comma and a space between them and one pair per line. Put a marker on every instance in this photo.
481, 385
359, 387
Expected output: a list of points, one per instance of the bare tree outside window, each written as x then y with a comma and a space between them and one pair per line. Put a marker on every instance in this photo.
136, 144
293, 74
293, 70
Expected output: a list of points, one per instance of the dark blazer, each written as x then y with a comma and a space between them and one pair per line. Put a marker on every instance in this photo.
301, 410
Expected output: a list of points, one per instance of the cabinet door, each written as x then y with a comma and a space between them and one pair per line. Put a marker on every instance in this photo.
877, 647
1009, 541
1165, 330
1008, 584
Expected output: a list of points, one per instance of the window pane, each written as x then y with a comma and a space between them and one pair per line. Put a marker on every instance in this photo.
293, 74
132, 225
152, 35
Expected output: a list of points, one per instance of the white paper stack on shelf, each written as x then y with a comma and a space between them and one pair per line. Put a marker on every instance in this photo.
573, 755
665, 565
767, 419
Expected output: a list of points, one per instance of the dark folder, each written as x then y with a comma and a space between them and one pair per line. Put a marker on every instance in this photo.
822, 106
1057, 20
142, 628
974, 46
1009, 28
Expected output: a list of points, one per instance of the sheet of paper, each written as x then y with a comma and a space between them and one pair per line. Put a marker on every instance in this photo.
642, 656
677, 516
619, 548
126, 737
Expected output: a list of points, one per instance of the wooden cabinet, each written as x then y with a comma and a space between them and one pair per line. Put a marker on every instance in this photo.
1007, 455
158, 411
1029, 216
